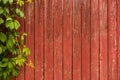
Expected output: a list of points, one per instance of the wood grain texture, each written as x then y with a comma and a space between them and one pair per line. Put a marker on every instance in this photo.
118, 36
39, 39
77, 40
57, 10
86, 35
48, 31
95, 32
73, 40
112, 43
30, 30
103, 40
67, 40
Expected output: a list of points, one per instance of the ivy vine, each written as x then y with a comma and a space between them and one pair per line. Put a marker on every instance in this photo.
13, 51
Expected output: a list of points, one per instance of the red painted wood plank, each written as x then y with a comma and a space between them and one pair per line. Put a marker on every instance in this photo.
39, 39
118, 36
13, 78
112, 45
57, 39
95, 40
86, 34
29, 28
77, 40
22, 30
48, 40
103, 40
22, 74
67, 39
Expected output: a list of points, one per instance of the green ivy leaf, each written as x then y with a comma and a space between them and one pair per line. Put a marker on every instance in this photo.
5, 59
20, 60
6, 12
26, 51
23, 38
10, 43
10, 24
5, 1
10, 1
6, 9
20, 12
15, 72
1, 10
5, 75
1, 21
9, 19
17, 10
3, 48
16, 24
0, 50
10, 65
3, 64
3, 37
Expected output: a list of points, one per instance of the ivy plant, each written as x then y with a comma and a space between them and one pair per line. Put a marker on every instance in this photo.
13, 51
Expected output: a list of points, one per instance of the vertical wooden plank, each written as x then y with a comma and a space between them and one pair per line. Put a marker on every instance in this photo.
112, 45
86, 34
58, 39
94, 40
48, 40
22, 30
29, 28
39, 36
103, 40
67, 40
118, 36
77, 40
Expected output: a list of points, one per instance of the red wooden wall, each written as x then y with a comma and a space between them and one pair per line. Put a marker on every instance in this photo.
73, 40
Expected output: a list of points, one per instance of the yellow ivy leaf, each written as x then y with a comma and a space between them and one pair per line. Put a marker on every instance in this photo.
20, 2
29, 1
30, 64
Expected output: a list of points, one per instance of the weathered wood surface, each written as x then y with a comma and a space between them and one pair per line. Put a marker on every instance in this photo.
72, 40
103, 60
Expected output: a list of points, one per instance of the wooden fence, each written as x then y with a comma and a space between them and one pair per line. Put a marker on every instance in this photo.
73, 40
